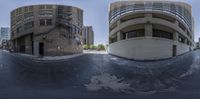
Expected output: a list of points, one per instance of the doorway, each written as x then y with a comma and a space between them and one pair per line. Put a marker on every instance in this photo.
174, 50
41, 49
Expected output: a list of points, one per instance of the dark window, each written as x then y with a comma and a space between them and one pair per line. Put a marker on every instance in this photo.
29, 25
181, 39
30, 8
157, 6
114, 39
42, 22
41, 7
188, 42
181, 26
26, 9
49, 6
180, 10
19, 29
173, 8
49, 22
28, 15
139, 6
19, 18
135, 33
162, 34
43, 13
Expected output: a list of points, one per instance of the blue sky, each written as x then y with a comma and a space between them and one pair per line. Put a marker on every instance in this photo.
95, 13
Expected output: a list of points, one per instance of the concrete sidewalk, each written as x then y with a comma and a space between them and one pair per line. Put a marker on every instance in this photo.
94, 52
46, 58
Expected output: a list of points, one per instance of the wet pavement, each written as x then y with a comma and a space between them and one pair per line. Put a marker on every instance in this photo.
99, 76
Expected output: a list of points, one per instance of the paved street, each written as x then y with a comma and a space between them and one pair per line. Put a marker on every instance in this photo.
99, 76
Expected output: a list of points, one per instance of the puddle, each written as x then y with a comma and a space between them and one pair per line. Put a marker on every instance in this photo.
107, 81
194, 67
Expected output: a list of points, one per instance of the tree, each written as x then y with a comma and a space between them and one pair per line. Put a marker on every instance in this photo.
93, 47
100, 47
85, 47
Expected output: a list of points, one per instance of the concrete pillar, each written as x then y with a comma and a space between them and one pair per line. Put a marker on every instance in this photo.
28, 46
185, 41
148, 25
36, 48
148, 15
175, 37
148, 30
119, 36
118, 22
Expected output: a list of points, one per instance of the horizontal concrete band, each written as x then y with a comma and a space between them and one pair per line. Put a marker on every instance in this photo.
146, 48
137, 21
152, 12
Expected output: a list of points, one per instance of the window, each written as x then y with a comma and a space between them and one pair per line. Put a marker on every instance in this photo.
49, 6
19, 18
19, 29
124, 36
49, 22
129, 8
30, 8
173, 8
188, 42
133, 34
45, 13
28, 15
162, 34
139, 6
181, 26
113, 39
123, 9
20, 10
136, 33
181, 38
46, 22
157, 6
148, 5
29, 25
166, 6
41, 7
26, 9
180, 10
42, 22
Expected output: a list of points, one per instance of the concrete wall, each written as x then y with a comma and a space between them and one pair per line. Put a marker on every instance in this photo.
56, 44
182, 48
28, 44
146, 48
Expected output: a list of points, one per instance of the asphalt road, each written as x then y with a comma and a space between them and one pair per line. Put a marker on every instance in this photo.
99, 76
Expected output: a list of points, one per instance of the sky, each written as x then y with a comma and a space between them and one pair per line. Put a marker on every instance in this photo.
95, 14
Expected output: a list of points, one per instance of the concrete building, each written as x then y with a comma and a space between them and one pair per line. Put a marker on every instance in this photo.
4, 34
47, 29
151, 29
88, 35
198, 44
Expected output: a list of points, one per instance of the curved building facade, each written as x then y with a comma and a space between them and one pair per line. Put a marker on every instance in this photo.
150, 30
47, 29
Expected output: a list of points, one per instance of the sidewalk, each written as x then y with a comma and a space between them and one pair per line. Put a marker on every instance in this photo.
94, 52
49, 58
46, 58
